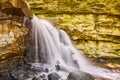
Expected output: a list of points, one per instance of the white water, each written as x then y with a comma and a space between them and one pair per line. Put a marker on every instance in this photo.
56, 48
36, 46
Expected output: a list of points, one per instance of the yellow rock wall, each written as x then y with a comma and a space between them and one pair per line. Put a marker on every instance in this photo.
12, 37
12, 31
93, 25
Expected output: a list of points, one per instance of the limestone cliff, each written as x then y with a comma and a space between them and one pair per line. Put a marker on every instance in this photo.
12, 31
93, 25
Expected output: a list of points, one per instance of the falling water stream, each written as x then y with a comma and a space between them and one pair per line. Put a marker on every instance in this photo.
57, 52
36, 47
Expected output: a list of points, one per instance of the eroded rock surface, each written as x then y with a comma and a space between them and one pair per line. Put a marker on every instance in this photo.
94, 26
12, 31
15, 7
13, 35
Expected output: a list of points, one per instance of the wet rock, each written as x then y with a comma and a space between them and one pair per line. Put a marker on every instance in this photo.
80, 76
38, 67
58, 67
28, 66
43, 76
85, 76
35, 78
53, 76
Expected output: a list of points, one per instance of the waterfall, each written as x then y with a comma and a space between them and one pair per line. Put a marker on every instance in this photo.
54, 50
36, 47
55, 46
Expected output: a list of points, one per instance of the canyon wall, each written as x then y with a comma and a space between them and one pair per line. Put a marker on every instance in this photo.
93, 25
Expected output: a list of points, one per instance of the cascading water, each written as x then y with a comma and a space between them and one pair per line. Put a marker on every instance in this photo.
54, 45
36, 47
56, 51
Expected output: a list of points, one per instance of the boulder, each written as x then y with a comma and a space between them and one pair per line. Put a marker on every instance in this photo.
85, 76
35, 78
80, 76
53, 76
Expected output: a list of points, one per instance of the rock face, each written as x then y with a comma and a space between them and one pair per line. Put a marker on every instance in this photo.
12, 31
93, 25
53, 76
13, 35
15, 7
